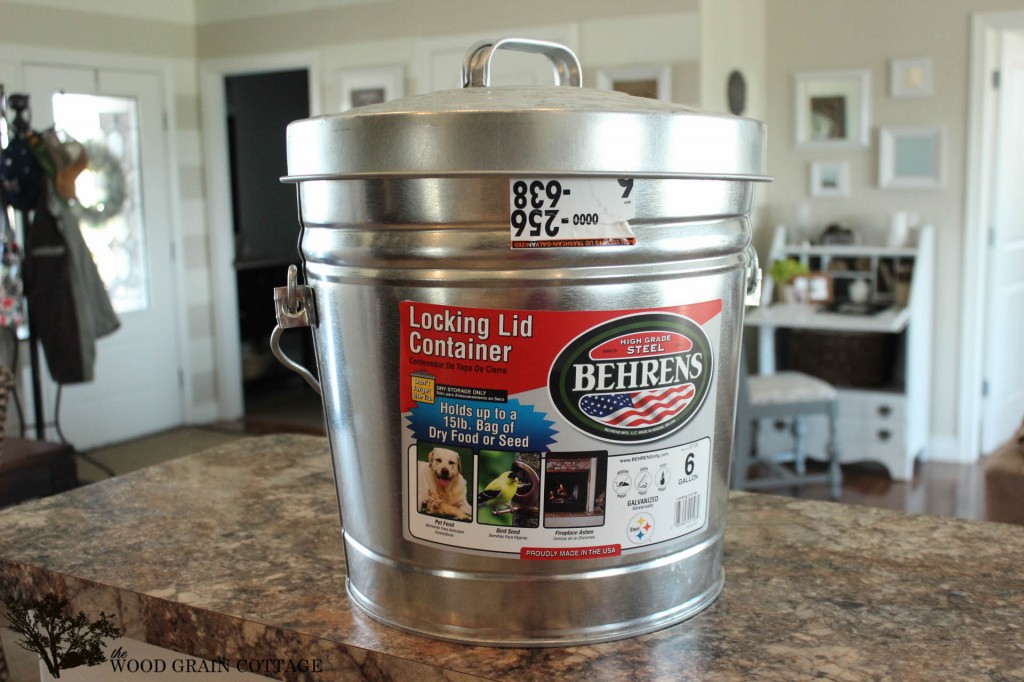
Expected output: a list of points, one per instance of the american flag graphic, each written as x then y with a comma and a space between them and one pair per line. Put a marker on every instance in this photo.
638, 408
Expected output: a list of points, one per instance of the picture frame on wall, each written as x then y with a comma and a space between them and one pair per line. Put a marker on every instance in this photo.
911, 157
370, 85
830, 179
910, 77
832, 109
653, 81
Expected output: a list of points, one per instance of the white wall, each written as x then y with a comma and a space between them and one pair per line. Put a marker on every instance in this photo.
589, 39
127, 34
833, 35
401, 32
415, 36
769, 40
733, 38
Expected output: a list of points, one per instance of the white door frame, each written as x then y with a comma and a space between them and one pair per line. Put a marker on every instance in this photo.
985, 33
165, 67
219, 216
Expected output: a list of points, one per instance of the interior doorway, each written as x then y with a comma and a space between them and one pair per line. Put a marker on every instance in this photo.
230, 282
992, 378
259, 107
1003, 384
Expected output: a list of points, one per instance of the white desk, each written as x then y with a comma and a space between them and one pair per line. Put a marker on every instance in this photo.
887, 424
805, 316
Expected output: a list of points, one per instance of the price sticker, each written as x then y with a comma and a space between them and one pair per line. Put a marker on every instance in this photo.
571, 212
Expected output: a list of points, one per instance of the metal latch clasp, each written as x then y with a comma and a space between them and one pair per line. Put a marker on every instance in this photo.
752, 295
294, 305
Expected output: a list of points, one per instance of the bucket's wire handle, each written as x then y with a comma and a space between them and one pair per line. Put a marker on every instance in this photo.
294, 306
476, 66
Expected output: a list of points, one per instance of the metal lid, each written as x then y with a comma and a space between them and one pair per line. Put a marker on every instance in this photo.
562, 130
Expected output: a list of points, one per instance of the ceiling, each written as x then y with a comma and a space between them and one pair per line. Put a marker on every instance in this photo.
191, 12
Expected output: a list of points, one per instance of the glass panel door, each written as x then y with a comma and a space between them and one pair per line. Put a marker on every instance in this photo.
126, 210
108, 193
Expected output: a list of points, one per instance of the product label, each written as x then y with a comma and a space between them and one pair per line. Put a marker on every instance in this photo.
571, 212
633, 379
557, 435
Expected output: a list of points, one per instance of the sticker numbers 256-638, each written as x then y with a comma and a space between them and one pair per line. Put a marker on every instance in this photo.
569, 212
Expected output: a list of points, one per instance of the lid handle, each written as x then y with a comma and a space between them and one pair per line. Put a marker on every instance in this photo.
476, 67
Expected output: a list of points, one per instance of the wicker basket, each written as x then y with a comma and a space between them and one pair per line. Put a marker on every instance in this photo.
851, 359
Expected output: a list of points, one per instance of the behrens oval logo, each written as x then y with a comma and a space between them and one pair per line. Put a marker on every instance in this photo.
633, 379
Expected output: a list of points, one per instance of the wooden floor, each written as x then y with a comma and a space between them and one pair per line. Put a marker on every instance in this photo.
939, 488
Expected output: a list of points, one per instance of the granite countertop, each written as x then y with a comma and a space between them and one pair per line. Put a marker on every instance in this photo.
236, 552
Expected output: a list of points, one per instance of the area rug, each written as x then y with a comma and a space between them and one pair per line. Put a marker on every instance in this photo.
122, 458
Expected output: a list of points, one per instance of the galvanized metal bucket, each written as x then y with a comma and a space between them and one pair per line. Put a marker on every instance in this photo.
527, 304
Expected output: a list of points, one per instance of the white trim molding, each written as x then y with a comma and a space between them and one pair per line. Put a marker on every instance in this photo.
985, 34
219, 216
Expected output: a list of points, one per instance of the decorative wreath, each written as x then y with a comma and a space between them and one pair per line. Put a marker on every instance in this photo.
111, 181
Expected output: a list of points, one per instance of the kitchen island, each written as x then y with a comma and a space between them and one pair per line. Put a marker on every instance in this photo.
236, 553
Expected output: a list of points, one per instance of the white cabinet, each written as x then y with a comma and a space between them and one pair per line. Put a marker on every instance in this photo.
885, 423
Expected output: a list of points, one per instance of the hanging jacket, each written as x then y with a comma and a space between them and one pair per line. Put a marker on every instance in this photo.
96, 316
68, 305
51, 305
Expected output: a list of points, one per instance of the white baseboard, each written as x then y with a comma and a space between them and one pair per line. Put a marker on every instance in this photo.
203, 413
948, 449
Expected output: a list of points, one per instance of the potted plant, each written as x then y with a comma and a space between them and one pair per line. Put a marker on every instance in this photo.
782, 272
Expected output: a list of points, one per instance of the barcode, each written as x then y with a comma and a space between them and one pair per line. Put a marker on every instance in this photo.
687, 509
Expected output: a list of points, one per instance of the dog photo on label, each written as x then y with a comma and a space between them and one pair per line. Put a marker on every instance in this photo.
441, 488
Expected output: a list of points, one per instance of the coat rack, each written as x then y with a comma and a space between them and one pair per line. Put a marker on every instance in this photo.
19, 104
